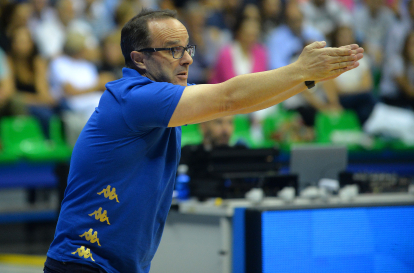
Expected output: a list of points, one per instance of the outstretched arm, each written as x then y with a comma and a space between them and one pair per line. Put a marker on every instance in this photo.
252, 92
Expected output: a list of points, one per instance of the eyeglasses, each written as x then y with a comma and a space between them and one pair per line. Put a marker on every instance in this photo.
177, 51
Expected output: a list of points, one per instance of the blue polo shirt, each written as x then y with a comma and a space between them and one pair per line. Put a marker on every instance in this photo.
121, 178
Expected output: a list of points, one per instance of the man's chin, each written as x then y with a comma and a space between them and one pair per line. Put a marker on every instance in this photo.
181, 82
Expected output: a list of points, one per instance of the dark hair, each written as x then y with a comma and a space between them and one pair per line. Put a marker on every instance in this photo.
406, 46
135, 34
334, 35
241, 18
33, 54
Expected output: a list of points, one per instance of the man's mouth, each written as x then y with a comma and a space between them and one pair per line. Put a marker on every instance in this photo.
182, 75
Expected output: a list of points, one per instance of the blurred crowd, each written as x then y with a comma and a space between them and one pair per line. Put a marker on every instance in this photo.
57, 55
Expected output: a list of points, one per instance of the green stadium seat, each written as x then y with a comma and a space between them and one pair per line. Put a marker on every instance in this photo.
344, 128
191, 135
242, 131
22, 136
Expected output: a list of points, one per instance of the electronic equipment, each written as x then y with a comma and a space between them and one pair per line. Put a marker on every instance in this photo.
313, 162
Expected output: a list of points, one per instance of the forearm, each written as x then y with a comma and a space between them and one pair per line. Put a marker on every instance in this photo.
255, 90
275, 100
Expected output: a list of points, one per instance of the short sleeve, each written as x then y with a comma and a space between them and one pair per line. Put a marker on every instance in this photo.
151, 105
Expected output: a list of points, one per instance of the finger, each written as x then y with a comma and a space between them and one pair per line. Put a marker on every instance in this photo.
341, 59
359, 56
316, 45
351, 46
340, 51
342, 65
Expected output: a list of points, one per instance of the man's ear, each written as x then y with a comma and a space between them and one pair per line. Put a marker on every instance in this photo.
138, 59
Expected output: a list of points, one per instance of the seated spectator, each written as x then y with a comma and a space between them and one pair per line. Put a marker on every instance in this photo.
195, 17
112, 60
244, 55
272, 15
13, 16
353, 90
400, 28
76, 84
50, 34
6, 85
99, 17
325, 15
397, 84
372, 21
29, 71
289, 39
223, 14
216, 134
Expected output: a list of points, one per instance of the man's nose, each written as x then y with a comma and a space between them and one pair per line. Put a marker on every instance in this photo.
186, 59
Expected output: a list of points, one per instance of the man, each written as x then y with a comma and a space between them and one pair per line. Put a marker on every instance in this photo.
288, 40
216, 134
123, 165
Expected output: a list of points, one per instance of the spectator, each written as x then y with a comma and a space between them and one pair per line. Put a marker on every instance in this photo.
112, 60
244, 55
75, 82
223, 14
50, 35
271, 14
325, 15
352, 90
216, 134
42, 12
123, 13
397, 85
28, 69
14, 15
195, 17
289, 39
6, 85
99, 17
372, 22
400, 29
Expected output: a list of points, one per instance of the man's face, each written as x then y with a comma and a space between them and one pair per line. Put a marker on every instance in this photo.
219, 131
161, 66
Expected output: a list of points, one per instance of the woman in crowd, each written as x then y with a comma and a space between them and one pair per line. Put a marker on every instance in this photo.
397, 85
29, 72
244, 55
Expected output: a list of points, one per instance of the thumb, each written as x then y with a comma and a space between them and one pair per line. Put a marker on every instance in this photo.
315, 45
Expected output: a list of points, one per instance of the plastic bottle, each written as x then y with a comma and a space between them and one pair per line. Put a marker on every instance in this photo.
182, 183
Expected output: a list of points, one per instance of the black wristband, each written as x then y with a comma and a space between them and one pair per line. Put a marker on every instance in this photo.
310, 84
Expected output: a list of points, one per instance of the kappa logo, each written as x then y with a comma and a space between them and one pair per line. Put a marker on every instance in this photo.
108, 193
84, 252
100, 216
93, 238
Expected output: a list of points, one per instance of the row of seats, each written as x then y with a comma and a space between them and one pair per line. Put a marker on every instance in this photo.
337, 128
21, 137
